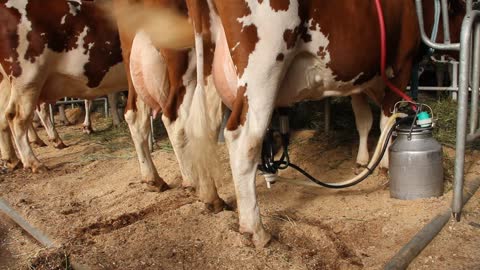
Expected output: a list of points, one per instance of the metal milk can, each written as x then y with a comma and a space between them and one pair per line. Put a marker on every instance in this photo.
415, 167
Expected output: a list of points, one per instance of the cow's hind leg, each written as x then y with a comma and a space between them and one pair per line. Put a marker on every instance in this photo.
34, 138
87, 123
139, 123
19, 114
363, 121
49, 127
244, 144
245, 131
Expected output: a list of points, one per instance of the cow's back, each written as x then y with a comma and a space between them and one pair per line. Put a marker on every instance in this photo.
73, 40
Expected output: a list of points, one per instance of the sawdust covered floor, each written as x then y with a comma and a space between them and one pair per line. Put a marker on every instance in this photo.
91, 201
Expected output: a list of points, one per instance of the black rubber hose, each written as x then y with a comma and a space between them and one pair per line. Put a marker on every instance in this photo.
370, 170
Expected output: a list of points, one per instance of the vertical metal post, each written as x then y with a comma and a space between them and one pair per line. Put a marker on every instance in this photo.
455, 80
151, 137
328, 111
475, 80
105, 107
446, 23
469, 4
465, 47
52, 118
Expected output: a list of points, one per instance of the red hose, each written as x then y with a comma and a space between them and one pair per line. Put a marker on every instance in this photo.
383, 46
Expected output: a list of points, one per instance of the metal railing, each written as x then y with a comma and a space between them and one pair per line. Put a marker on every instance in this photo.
72, 101
470, 31
471, 22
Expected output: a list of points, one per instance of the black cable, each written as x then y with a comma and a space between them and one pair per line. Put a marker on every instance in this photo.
370, 170
276, 164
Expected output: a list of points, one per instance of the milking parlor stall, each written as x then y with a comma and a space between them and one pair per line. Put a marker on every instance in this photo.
256, 134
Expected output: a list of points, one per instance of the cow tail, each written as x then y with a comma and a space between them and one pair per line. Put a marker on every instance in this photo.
202, 127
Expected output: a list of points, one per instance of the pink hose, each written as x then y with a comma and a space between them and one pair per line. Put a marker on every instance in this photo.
383, 46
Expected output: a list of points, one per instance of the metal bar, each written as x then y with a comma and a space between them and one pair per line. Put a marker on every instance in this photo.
151, 137
78, 101
151, 128
455, 79
425, 38
35, 233
469, 4
407, 253
446, 22
465, 44
475, 80
436, 88
52, 117
69, 102
105, 107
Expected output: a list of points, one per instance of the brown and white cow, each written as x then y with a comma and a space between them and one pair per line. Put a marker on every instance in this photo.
165, 81
264, 54
72, 50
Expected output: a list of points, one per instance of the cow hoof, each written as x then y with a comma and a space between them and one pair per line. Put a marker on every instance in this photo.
156, 186
359, 168
383, 172
187, 184
40, 143
87, 130
13, 165
39, 168
60, 145
218, 206
261, 239
189, 189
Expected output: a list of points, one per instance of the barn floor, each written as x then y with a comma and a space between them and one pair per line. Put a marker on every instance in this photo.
91, 201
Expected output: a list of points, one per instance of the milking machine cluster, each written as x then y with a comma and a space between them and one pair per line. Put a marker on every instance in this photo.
415, 161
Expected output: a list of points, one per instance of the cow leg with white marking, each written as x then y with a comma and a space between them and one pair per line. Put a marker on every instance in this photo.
244, 144
244, 135
87, 123
139, 124
363, 121
137, 116
49, 127
34, 138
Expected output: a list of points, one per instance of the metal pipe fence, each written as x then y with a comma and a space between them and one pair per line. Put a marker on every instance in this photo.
468, 85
